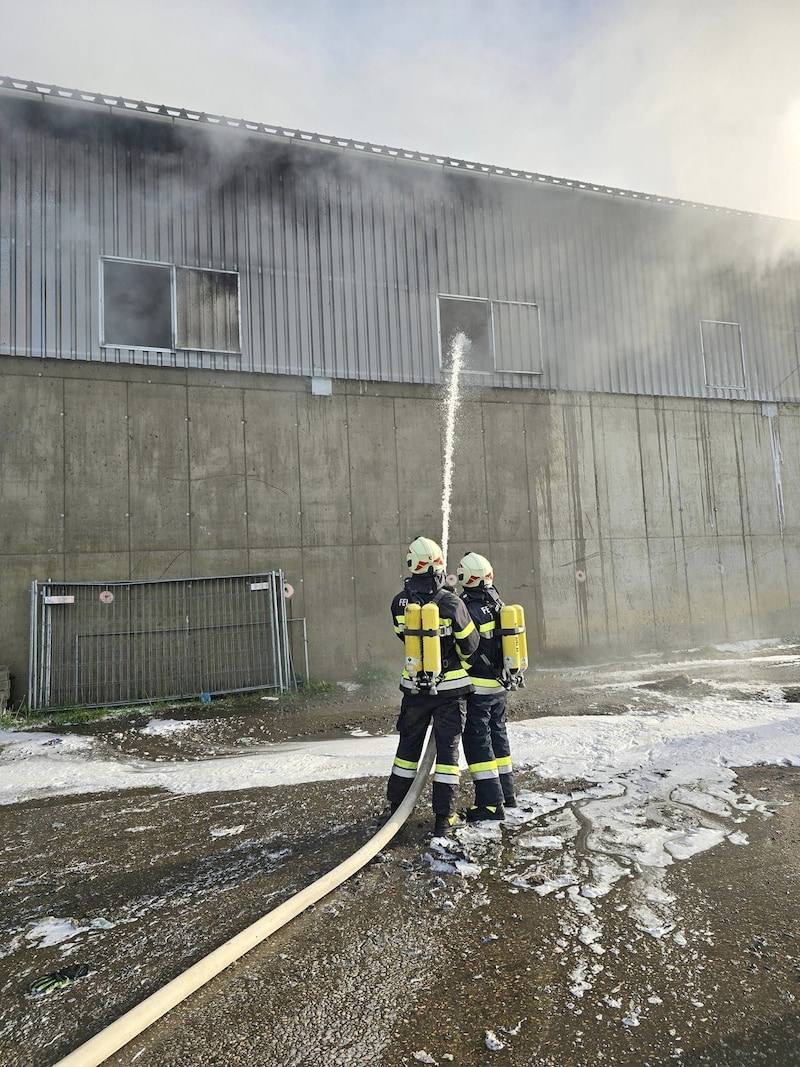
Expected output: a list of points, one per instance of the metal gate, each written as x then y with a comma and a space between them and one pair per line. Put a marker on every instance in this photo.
101, 643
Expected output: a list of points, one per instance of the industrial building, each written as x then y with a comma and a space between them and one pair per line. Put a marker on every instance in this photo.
223, 346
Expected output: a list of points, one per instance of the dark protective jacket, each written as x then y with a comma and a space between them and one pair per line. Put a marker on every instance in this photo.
458, 645
486, 668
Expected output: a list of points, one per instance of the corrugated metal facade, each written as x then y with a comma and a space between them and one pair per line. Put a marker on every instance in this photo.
343, 251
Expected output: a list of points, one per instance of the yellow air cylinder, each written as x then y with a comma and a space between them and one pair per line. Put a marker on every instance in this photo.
413, 640
512, 653
523, 640
431, 643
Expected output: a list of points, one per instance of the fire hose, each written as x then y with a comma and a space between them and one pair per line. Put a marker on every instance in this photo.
98, 1048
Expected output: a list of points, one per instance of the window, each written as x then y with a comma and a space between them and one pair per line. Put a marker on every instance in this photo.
137, 304
517, 339
160, 306
723, 354
207, 310
462, 315
504, 335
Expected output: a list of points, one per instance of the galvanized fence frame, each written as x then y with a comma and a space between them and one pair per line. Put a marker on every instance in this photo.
100, 644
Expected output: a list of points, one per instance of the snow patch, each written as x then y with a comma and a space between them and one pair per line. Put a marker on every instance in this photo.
162, 727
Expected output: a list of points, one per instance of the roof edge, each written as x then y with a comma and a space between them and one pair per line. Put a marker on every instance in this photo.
142, 109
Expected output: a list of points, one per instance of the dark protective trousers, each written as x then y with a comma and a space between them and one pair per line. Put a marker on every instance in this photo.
487, 749
416, 711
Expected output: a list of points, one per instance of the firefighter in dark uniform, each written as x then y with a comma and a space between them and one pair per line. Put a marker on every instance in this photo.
485, 738
459, 640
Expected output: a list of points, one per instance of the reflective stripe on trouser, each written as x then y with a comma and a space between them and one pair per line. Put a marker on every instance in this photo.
416, 711
405, 768
446, 774
480, 755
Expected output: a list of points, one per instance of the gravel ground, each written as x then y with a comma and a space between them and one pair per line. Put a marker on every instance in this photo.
425, 955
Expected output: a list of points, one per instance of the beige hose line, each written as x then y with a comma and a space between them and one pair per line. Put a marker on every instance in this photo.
133, 1022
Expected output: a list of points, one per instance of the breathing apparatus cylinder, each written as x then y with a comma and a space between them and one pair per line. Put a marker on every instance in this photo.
431, 644
412, 640
514, 643
523, 639
423, 646
510, 636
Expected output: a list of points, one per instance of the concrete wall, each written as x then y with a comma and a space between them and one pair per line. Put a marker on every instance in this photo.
674, 512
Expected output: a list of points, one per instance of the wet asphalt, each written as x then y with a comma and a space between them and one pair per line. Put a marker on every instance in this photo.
426, 955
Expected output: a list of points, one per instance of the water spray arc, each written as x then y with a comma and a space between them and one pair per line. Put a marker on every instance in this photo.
459, 347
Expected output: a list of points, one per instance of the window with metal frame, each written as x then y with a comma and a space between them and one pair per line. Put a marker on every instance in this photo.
469, 316
136, 304
163, 307
723, 355
504, 335
517, 337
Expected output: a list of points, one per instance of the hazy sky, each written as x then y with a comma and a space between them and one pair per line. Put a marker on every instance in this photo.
695, 99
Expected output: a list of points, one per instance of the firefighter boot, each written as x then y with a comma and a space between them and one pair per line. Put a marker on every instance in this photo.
481, 814
446, 823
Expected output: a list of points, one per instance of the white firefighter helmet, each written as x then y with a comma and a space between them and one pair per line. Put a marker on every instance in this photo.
424, 557
475, 571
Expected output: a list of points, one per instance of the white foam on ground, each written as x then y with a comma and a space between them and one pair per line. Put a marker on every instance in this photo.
160, 727
654, 786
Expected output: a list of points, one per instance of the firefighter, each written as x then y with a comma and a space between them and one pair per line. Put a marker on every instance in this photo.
485, 737
431, 690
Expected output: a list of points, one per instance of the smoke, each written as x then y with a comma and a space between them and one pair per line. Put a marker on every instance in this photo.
696, 101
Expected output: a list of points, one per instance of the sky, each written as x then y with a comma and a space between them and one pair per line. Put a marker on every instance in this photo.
698, 101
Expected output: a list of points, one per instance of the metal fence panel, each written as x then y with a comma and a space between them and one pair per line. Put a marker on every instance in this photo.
95, 644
